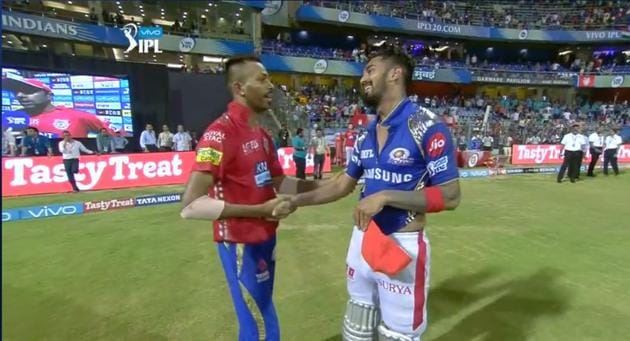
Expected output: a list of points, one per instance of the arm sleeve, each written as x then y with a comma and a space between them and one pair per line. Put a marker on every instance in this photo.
212, 153
274, 164
439, 154
60, 146
83, 149
142, 142
355, 168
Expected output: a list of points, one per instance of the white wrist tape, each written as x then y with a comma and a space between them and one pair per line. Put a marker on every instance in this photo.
204, 208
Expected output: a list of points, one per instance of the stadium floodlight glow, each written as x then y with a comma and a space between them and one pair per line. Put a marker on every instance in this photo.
174, 66
562, 53
209, 59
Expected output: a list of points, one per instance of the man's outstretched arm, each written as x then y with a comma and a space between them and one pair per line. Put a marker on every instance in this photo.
198, 205
418, 201
334, 189
291, 185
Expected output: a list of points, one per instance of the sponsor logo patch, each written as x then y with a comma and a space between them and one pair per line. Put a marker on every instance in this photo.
209, 155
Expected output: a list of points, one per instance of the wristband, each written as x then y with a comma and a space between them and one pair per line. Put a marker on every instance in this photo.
434, 199
204, 208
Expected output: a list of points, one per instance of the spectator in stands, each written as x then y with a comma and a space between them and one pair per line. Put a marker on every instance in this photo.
487, 142
182, 140
283, 136
299, 154
34, 144
119, 143
70, 150
148, 140
165, 140
104, 143
93, 16
320, 149
8, 143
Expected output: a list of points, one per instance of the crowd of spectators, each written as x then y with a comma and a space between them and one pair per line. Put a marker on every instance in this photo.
523, 14
471, 61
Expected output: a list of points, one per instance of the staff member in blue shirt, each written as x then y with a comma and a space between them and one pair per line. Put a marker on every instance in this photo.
299, 154
34, 144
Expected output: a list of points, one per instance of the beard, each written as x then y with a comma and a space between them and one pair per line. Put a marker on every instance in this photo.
374, 97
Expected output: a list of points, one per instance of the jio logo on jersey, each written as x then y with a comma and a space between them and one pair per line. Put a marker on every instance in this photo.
262, 176
436, 144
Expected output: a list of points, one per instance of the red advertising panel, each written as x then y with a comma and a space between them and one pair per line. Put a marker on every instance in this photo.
551, 154
38, 175
43, 175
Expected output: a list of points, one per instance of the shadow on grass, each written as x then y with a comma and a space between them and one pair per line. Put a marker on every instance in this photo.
516, 305
32, 315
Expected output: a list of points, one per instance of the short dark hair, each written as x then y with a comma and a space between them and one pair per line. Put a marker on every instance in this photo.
235, 61
65, 132
299, 130
32, 128
318, 129
397, 56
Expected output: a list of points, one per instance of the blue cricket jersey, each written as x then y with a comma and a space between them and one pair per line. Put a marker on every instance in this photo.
419, 152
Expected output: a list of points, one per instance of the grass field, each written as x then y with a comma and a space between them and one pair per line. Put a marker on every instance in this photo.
522, 258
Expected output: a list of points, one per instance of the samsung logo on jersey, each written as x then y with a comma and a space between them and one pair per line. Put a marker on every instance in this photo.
387, 176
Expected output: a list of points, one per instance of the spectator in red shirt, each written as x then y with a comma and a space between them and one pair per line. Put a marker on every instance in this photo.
36, 100
234, 182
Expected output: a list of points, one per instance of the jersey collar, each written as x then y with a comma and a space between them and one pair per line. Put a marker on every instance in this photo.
239, 112
395, 115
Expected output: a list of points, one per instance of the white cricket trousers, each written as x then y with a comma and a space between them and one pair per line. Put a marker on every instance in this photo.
402, 299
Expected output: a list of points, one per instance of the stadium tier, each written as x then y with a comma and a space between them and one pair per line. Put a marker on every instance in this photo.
162, 159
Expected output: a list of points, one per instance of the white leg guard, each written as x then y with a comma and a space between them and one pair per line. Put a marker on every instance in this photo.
385, 334
360, 322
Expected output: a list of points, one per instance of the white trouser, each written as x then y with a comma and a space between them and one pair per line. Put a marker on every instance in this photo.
349, 151
403, 299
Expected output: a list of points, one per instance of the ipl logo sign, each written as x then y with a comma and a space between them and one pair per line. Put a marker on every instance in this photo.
148, 37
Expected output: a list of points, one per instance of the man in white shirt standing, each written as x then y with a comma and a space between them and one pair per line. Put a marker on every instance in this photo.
148, 140
611, 148
583, 150
70, 151
181, 140
596, 142
165, 139
572, 144
8, 143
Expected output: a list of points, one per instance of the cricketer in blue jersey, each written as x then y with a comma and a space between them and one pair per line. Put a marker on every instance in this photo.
407, 158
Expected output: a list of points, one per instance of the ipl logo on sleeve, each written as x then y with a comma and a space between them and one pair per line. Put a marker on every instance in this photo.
147, 38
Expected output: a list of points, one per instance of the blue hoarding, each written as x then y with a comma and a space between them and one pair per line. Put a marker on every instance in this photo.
342, 17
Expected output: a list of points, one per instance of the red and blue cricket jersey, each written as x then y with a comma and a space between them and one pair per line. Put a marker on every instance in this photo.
419, 152
243, 160
78, 123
